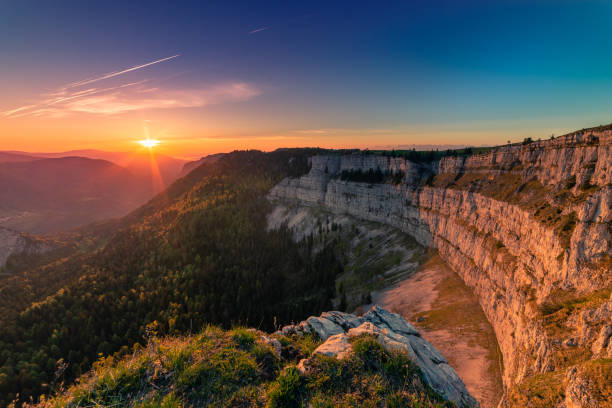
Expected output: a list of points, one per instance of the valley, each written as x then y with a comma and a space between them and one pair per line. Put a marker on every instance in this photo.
446, 312
46, 193
484, 253
387, 267
520, 224
310, 204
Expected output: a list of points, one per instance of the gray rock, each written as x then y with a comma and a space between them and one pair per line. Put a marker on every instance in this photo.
393, 333
392, 321
336, 346
323, 327
345, 320
14, 242
272, 342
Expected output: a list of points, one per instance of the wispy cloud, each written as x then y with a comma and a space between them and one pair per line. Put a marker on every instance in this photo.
116, 73
257, 30
82, 97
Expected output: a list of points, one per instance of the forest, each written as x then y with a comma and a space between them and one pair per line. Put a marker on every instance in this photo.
197, 254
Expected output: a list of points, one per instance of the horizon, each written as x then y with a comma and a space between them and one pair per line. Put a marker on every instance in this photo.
284, 204
208, 78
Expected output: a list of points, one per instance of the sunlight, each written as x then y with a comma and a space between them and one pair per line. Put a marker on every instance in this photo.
149, 143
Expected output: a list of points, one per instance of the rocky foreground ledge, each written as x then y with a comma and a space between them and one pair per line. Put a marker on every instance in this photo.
394, 333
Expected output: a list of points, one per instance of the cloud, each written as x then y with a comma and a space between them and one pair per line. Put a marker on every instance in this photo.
134, 96
257, 30
82, 97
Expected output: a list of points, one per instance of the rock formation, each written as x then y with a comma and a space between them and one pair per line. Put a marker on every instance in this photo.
526, 226
393, 333
13, 243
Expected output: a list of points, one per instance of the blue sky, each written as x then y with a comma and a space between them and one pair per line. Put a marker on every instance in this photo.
352, 73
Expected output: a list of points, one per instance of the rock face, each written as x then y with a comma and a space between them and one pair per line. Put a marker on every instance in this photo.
13, 242
393, 333
520, 224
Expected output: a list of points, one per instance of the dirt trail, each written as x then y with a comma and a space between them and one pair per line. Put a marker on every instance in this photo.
437, 302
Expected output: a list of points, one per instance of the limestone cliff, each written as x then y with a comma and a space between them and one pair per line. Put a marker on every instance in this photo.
14, 242
526, 226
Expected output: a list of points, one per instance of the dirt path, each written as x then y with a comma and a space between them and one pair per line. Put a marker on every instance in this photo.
437, 302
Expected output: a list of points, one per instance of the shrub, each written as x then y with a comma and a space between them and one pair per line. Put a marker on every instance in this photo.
243, 337
288, 389
368, 350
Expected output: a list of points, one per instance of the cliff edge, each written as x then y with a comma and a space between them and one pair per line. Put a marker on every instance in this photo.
336, 359
526, 226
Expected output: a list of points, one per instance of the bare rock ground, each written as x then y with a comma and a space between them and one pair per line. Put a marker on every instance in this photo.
446, 313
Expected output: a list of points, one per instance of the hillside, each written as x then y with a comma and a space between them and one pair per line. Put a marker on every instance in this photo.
138, 163
48, 195
12, 157
14, 242
189, 166
199, 253
333, 360
52, 192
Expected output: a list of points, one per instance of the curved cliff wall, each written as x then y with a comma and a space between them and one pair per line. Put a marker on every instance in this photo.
519, 224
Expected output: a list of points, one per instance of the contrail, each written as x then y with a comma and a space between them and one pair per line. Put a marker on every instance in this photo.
258, 30
114, 74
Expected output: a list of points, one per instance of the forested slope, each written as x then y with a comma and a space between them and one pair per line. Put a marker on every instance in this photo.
198, 253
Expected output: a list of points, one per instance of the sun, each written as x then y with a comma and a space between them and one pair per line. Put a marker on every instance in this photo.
149, 143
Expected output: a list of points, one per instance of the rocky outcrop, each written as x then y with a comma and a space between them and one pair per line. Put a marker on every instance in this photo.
520, 224
393, 333
13, 242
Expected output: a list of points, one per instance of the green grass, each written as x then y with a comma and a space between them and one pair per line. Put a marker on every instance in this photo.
235, 368
555, 313
371, 377
539, 391
548, 389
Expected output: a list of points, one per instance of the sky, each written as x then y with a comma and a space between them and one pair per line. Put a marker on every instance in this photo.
205, 77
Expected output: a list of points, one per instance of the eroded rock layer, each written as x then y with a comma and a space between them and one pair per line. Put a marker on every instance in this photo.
527, 227
393, 333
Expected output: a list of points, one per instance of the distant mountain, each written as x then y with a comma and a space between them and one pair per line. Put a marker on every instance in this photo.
10, 157
48, 195
158, 170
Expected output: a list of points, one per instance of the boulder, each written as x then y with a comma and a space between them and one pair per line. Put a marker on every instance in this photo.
393, 333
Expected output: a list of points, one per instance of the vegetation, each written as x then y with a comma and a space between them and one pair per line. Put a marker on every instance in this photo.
236, 368
428, 156
200, 253
539, 391
548, 389
372, 176
360, 176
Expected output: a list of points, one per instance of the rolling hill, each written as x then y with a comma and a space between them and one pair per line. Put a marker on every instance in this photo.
48, 195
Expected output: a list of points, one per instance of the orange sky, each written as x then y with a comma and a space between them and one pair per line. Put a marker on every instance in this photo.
218, 76
188, 139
